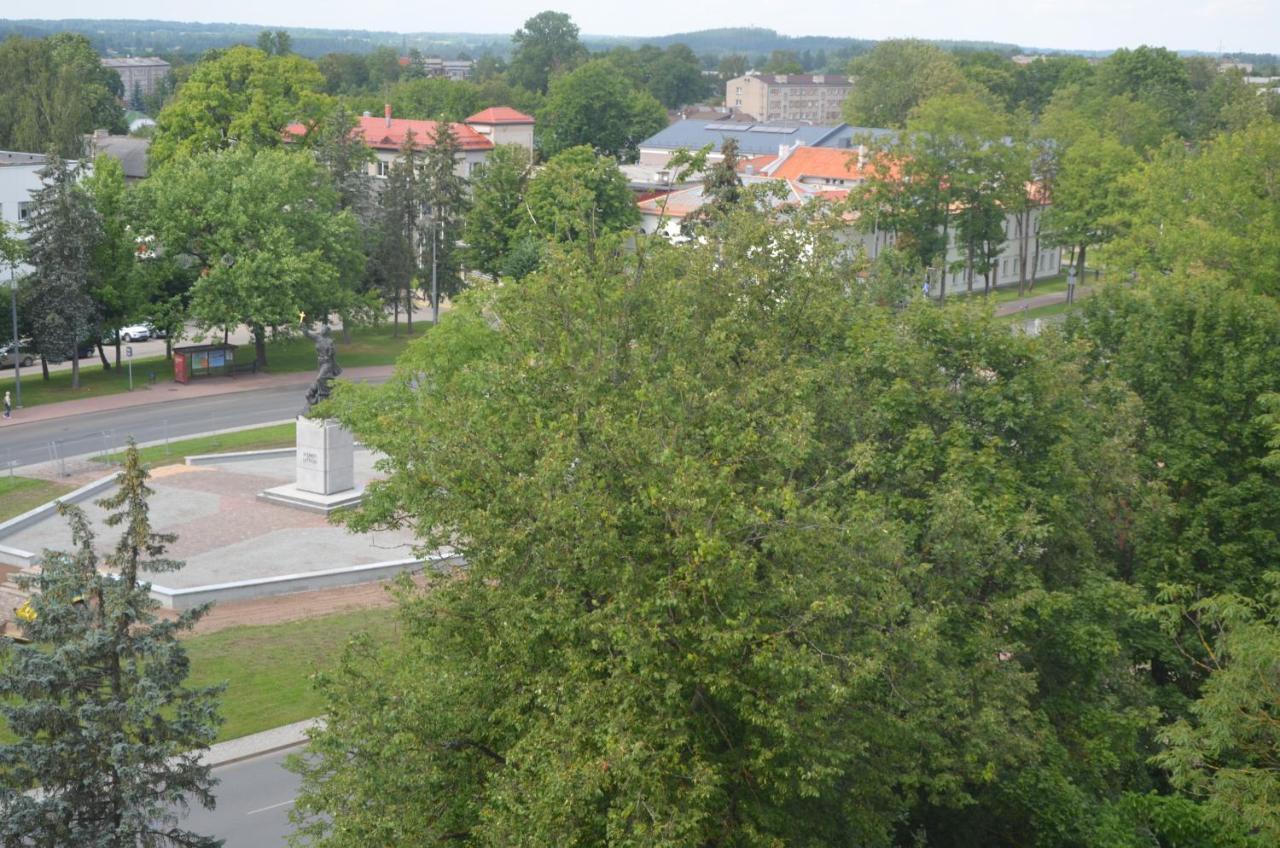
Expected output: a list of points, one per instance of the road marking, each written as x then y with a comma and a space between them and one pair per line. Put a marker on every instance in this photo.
272, 807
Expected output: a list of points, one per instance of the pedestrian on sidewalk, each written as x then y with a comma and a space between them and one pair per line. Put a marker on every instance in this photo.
8, 406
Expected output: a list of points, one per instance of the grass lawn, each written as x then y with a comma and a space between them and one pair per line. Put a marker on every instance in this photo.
268, 669
369, 346
258, 438
19, 494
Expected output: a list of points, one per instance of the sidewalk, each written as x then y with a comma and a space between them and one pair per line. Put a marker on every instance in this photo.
166, 392
1013, 307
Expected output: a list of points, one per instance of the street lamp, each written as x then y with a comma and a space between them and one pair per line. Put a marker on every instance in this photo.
17, 345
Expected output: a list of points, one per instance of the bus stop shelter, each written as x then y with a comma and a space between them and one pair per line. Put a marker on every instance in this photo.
207, 360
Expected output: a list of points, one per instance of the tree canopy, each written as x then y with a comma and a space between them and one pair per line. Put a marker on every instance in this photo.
594, 105
242, 97
545, 46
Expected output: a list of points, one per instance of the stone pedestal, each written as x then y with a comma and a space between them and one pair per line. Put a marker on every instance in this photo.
325, 470
326, 457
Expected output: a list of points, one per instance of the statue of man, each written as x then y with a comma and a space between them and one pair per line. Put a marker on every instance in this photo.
326, 359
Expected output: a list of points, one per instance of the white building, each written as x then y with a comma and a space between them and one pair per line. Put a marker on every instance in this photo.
19, 179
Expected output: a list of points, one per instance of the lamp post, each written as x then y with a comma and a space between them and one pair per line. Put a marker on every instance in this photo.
17, 346
437, 228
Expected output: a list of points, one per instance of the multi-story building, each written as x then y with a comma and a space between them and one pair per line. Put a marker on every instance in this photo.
476, 136
144, 72
19, 179
818, 98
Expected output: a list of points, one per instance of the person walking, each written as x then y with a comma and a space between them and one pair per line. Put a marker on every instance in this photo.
8, 406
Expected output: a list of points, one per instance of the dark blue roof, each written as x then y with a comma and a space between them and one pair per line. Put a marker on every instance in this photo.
753, 139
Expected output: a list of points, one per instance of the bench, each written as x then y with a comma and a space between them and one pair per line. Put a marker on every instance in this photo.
250, 367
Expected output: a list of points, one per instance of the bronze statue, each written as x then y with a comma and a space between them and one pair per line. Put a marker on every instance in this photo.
326, 359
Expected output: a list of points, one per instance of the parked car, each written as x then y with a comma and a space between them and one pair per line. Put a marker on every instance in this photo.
135, 333
7, 357
156, 331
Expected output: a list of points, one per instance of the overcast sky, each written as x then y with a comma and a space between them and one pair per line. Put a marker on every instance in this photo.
1245, 25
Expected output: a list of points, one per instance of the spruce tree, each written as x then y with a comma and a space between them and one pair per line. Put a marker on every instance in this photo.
396, 255
108, 738
445, 192
64, 232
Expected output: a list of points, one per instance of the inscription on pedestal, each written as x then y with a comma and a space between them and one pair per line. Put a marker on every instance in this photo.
326, 457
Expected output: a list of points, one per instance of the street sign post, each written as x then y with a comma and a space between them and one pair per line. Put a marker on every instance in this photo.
128, 354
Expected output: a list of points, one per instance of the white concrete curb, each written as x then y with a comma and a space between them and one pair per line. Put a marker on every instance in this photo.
256, 744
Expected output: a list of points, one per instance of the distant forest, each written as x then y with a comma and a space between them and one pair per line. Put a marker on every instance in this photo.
189, 40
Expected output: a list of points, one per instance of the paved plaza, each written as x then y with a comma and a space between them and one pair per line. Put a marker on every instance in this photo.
225, 533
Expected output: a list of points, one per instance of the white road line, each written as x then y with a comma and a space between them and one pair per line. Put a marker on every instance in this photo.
272, 807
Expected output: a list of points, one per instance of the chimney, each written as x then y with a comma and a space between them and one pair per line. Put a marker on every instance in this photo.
387, 109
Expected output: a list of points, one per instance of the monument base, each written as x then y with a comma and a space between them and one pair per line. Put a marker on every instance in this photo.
325, 456
291, 496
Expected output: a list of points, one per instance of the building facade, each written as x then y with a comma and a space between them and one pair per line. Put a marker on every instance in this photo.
818, 98
476, 136
144, 72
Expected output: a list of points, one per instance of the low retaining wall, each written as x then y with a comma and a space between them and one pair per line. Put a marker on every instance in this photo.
16, 556
287, 584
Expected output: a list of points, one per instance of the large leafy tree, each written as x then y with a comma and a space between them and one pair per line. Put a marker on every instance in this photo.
596, 106
266, 231
1089, 194
895, 77
750, 561
239, 97
108, 738
52, 92
545, 46
497, 207
118, 292
1213, 212
64, 235
579, 195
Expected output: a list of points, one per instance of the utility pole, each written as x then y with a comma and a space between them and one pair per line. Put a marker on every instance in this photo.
17, 346
435, 292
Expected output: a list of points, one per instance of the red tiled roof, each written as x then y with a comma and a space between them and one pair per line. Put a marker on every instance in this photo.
378, 135
500, 115
822, 163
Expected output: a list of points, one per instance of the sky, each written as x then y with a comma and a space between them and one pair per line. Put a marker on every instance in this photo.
1209, 25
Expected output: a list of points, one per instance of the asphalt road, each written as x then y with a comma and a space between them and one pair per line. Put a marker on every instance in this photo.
42, 441
254, 798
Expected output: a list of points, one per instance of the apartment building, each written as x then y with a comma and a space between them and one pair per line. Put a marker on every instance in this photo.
144, 72
818, 98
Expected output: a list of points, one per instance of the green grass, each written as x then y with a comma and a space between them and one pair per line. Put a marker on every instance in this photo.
368, 346
268, 668
258, 438
19, 494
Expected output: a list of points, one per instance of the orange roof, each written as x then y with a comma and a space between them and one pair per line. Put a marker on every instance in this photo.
831, 163
756, 163
381, 134
500, 115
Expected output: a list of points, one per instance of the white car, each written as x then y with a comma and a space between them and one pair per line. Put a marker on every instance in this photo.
135, 333
7, 357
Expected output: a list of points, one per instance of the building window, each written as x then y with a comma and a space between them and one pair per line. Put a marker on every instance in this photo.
24, 210
383, 168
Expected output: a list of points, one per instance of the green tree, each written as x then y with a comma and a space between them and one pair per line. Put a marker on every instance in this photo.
749, 561
1214, 211
783, 62
266, 231
397, 256
52, 92
115, 289
64, 235
278, 43
595, 106
108, 737
445, 193
545, 46
579, 195
497, 208
241, 97
894, 78
1088, 195
731, 66
1228, 750
1201, 355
